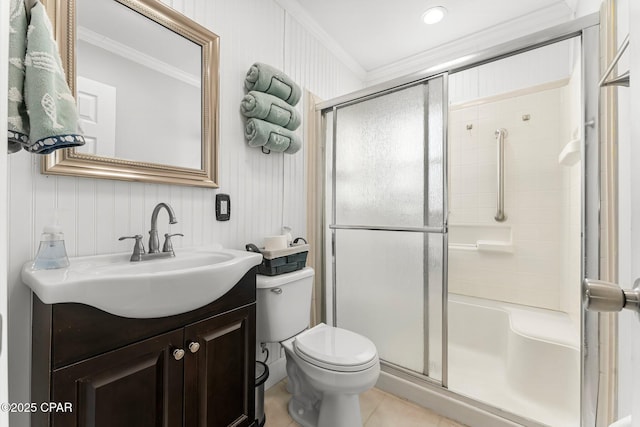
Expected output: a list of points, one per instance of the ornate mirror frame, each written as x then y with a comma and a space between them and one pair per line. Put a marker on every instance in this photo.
69, 162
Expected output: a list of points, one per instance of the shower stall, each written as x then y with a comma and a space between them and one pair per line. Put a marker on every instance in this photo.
457, 225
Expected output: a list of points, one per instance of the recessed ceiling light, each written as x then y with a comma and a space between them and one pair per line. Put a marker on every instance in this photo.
434, 15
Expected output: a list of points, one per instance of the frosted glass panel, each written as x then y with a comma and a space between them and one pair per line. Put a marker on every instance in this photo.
380, 292
435, 153
389, 157
435, 262
380, 160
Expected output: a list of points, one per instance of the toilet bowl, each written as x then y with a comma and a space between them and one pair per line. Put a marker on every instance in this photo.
328, 367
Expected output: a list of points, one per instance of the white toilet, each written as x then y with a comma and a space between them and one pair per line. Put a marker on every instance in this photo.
327, 367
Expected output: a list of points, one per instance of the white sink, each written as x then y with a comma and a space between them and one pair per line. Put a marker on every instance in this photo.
154, 288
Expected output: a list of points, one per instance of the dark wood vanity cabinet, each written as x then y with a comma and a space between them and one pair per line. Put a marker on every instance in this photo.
217, 374
121, 372
138, 385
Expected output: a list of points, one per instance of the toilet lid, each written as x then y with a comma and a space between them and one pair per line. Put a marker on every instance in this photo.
336, 349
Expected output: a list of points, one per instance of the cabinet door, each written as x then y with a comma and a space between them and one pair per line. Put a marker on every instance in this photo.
138, 385
219, 375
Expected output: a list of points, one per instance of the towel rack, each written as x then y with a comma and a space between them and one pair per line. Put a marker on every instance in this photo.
622, 79
500, 136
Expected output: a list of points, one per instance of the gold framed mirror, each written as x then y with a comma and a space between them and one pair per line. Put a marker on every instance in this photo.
146, 80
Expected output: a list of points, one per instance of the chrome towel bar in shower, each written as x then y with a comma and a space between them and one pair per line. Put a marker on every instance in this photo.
501, 134
622, 79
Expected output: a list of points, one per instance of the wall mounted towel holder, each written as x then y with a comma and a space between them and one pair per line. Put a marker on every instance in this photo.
624, 78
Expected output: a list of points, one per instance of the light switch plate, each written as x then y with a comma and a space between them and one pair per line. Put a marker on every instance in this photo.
223, 207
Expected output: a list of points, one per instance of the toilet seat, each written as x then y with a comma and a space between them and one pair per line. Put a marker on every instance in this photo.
335, 349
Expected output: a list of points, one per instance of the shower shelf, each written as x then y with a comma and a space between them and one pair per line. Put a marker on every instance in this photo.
480, 237
483, 246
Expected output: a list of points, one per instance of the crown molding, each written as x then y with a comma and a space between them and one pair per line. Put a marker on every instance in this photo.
549, 16
542, 18
297, 12
137, 56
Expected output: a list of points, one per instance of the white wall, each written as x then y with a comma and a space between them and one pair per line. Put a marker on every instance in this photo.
537, 202
629, 327
629, 214
540, 211
266, 191
533, 68
4, 61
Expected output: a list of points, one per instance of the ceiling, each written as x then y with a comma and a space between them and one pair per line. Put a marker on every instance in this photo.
377, 33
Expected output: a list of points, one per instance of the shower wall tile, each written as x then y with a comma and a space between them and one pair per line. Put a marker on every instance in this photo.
463, 201
536, 232
487, 199
266, 191
537, 198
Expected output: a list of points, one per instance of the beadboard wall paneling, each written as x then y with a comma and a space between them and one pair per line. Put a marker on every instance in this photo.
266, 191
302, 52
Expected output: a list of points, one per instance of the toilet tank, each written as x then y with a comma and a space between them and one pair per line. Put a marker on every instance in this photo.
283, 304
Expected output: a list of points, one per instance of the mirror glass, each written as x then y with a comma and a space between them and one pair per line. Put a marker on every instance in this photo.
146, 82
144, 79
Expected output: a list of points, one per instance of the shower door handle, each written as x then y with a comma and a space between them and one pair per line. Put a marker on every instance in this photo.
606, 296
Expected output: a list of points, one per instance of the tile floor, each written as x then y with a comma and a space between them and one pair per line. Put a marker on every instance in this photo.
379, 409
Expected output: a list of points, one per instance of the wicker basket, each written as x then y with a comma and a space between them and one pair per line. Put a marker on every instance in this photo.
282, 261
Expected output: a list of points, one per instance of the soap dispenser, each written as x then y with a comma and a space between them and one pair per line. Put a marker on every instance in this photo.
52, 252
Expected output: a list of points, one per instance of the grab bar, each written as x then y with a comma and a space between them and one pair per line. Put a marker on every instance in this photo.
500, 135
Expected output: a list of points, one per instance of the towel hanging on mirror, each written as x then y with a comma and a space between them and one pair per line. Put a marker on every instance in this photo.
42, 111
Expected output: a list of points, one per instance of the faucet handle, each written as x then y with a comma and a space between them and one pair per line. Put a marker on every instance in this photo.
168, 246
138, 247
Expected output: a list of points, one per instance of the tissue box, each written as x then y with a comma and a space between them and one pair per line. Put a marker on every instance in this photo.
282, 261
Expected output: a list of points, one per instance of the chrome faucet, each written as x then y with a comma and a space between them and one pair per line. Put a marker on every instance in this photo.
154, 244
167, 249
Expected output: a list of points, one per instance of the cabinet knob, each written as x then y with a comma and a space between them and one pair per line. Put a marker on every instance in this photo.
178, 353
194, 347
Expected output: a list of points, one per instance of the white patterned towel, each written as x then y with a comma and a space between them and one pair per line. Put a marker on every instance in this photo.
42, 112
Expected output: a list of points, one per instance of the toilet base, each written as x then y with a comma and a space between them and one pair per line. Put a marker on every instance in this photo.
304, 417
336, 410
340, 410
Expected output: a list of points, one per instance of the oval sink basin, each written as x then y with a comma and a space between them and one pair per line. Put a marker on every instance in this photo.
153, 288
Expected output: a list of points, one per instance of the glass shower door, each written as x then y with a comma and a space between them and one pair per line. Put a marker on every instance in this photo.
388, 223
